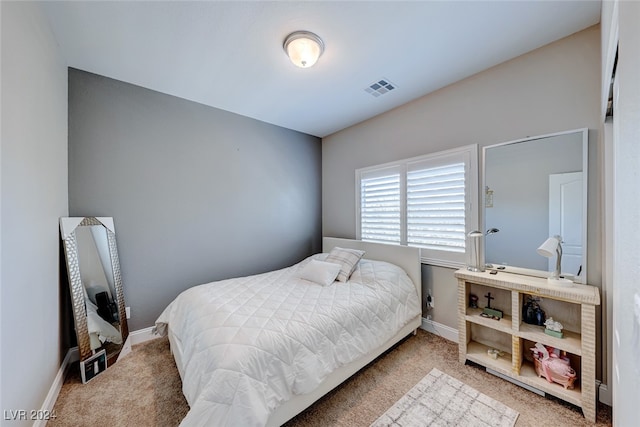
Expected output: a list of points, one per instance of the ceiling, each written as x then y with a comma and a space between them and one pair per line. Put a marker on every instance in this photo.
228, 54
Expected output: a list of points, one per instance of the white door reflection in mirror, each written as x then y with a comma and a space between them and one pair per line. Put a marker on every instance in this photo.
565, 219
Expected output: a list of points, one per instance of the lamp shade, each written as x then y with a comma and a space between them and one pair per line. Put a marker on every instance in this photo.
304, 48
549, 247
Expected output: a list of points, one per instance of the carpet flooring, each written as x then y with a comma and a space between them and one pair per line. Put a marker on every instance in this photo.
144, 389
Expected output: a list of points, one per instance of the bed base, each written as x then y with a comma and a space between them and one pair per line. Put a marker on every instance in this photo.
299, 403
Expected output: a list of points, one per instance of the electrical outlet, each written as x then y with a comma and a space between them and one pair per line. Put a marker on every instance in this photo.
128, 312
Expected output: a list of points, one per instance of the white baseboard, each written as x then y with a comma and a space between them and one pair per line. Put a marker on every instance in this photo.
444, 331
73, 355
142, 335
604, 395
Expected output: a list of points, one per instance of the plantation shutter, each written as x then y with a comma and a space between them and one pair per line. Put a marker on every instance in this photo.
436, 206
380, 206
427, 202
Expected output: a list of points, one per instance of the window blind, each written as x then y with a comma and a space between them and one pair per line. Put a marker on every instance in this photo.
436, 207
380, 208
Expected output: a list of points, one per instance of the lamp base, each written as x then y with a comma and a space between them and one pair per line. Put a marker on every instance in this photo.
476, 269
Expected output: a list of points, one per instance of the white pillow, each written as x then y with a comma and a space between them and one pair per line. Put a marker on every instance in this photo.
347, 259
320, 272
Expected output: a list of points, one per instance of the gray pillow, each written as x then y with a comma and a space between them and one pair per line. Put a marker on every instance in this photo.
347, 259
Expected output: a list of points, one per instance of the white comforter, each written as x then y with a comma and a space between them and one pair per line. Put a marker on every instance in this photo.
251, 343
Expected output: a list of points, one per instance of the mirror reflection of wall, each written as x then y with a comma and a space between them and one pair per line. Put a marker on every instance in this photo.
517, 186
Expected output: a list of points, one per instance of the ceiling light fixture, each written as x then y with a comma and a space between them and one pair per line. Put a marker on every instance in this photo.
304, 48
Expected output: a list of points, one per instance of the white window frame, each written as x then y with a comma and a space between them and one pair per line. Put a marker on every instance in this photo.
467, 154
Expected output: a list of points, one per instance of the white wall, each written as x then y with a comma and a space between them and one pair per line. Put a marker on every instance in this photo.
33, 171
552, 89
626, 212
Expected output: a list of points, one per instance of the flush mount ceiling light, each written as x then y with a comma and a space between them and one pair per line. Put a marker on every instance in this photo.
304, 48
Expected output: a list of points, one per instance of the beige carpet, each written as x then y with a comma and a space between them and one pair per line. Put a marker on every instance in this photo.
144, 389
439, 400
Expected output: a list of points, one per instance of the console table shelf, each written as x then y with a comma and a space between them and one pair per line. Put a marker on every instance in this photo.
572, 306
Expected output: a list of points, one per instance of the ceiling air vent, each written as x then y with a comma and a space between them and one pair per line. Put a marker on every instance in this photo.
380, 87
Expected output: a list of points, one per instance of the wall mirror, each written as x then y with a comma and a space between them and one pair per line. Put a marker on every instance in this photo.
97, 298
535, 188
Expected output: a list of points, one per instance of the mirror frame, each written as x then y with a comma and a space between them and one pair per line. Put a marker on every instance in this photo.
67, 231
585, 192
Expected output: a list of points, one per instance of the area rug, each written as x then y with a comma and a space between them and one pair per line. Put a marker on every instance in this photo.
441, 400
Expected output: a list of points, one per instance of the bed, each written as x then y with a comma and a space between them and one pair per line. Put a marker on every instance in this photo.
258, 350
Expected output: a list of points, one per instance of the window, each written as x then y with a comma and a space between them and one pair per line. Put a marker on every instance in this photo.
380, 215
427, 201
436, 207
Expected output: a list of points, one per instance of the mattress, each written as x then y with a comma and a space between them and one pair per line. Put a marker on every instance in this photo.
249, 344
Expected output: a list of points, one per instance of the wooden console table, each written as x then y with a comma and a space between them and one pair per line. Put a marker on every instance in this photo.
574, 307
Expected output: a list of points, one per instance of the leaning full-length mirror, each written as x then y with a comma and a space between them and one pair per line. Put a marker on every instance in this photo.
97, 296
533, 189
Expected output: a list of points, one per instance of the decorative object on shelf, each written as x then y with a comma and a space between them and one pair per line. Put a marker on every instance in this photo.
553, 328
494, 353
555, 367
532, 313
489, 316
473, 301
493, 312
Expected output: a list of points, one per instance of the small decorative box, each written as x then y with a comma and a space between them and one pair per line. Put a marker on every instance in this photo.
557, 334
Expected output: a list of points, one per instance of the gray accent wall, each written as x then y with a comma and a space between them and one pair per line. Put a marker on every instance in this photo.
551, 89
197, 194
33, 180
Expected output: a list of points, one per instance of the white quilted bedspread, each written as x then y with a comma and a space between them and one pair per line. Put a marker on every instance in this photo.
251, 343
